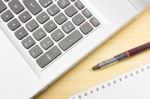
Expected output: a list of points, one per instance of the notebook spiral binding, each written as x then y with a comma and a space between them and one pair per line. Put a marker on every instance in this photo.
110, 83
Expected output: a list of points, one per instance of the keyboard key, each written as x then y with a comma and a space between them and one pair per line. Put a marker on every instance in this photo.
78, 19
14, 24
57, 35
60, 18
53, 10
73, 0
16, 6
94, 22
68, 27
6, 0
2, 6
47, 43
21, 33
42, 17
48, 57
32, 6
35, 51
45, 3
28, 42
70, 40
39, 34
63, 3
24, 17
7, 15
70, 11
79, 5
32, 25
87, 13
86, 28
50, 26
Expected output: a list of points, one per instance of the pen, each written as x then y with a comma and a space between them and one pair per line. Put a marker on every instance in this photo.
122, 56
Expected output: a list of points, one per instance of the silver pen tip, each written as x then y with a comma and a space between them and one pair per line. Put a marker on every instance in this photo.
104, 64
95, 67
99, 66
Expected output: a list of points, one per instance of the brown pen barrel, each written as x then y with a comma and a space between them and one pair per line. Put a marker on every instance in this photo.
139, 49
122, 56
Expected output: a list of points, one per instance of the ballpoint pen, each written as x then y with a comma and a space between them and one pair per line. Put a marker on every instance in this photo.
122, 56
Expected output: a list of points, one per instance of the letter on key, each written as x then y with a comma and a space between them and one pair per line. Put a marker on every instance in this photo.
70, 40
32, 6
16, 6
48, 57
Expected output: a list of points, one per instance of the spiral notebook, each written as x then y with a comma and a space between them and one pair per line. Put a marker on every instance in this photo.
131, 85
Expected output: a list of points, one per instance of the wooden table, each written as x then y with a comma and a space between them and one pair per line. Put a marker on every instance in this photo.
81, 77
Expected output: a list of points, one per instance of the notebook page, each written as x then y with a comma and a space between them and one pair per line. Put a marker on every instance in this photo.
132, 85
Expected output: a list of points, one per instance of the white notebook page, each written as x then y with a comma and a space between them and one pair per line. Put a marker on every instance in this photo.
132, 85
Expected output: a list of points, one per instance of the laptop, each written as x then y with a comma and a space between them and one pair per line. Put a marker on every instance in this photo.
43, 39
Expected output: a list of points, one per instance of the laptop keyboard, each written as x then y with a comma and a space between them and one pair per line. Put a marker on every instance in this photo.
47, 28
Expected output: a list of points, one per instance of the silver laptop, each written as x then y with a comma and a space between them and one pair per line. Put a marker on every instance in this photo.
42, 39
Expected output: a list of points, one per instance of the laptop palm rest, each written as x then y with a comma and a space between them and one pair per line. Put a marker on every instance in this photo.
15, 74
